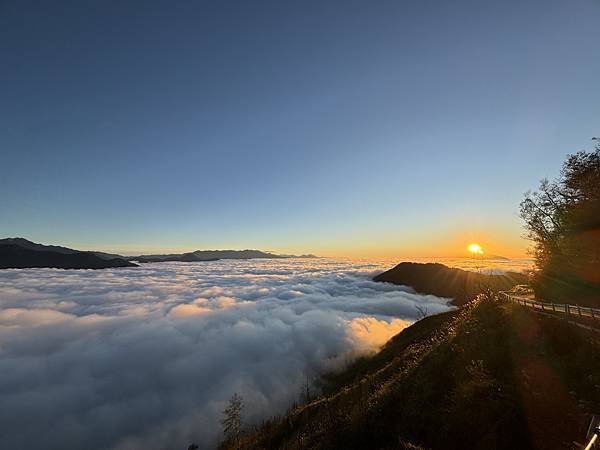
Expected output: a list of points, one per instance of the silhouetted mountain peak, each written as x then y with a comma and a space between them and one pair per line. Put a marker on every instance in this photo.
20, 253
449, 282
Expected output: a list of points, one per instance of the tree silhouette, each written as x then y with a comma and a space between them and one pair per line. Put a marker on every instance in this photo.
306, 394
422, 311
562, 219
232, 420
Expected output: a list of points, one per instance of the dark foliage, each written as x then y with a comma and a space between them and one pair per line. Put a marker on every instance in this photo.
562, 219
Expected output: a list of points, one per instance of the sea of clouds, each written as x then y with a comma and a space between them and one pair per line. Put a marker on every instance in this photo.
147, 357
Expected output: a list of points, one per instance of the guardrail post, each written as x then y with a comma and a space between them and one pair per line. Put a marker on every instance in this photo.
567, 312
553, 307
592, 311
579, 310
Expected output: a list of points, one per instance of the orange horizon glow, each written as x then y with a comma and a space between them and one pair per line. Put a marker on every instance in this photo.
396, 250
511, 246
454, 242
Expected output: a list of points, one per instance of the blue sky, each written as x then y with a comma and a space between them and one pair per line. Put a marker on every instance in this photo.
358, 128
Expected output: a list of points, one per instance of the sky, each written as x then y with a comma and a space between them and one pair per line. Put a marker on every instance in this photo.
380, 128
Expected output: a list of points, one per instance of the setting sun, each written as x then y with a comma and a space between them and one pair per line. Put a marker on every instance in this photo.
475, 249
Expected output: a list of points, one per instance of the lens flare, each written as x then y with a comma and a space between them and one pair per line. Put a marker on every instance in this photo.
475, 249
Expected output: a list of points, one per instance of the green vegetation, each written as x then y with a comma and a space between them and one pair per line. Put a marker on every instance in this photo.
489, 375
563, 221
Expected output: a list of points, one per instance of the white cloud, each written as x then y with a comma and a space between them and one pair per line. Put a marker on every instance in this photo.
147, 357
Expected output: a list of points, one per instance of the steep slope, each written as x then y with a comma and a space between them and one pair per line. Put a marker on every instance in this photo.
443, 281
488, 376
21, 255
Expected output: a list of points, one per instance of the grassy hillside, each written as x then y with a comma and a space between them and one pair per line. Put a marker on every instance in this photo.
488, 376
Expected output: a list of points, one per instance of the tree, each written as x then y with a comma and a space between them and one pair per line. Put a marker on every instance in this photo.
232, 420
305, 394
422, 311
562, 220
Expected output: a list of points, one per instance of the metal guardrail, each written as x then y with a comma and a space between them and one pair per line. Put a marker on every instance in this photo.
562, 308
593, 433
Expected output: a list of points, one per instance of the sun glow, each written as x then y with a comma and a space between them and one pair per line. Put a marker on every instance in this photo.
475, 249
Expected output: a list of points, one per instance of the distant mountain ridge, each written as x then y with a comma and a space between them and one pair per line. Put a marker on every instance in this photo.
20, 253
22, 242
213, 255
494, 258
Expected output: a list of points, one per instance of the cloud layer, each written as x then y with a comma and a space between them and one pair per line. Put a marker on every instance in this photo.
147, 357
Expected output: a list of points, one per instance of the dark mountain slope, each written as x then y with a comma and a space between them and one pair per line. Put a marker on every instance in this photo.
30, 255
443, 281
21, 242
488, 376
